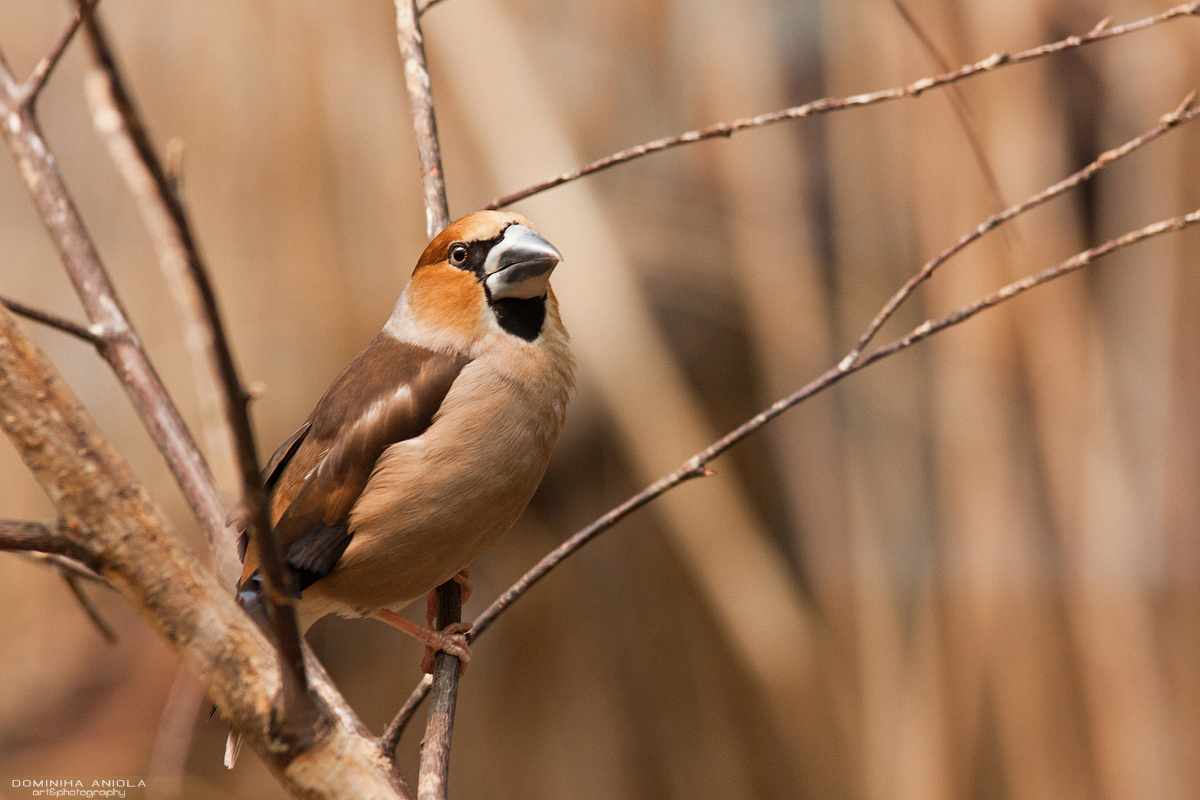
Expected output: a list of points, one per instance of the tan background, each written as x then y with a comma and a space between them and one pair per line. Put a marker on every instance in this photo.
970, 572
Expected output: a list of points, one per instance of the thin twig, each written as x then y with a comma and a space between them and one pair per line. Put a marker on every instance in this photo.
116, 118
42, 537
435, 747
1183, 113
961, 107
58, 561
827, 104
53, 320
89, 608
391, 734
173, 739
41, 71
121, 346
958, 100
416, 81
424, 5
49, 544
696, 466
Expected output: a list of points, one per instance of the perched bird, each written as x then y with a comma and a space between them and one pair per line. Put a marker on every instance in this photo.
430, 444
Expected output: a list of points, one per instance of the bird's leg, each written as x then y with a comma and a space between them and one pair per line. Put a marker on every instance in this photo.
451, 639
463, 579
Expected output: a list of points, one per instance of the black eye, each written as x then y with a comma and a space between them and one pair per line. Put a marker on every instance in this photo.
458, 254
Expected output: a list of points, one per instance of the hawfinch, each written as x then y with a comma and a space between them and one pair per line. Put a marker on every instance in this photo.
431, 443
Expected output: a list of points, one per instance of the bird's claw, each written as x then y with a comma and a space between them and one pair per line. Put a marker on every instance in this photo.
451, 639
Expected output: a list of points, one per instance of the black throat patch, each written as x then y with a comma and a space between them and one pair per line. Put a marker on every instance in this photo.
521, 317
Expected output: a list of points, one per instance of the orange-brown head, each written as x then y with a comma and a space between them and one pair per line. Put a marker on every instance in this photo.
489, 269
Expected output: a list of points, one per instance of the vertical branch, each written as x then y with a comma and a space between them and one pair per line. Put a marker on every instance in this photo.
435, 750
416, 80
434, 769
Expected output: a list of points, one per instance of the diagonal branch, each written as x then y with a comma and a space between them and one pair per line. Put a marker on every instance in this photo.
41, 71
696, 466
827, 104
116, 118
89, 608
958, 101
53, 320
435, 747
395, 729
52, 545
108, 516
1184, 113
121, 346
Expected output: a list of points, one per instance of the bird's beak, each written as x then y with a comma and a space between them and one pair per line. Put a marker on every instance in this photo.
519, 265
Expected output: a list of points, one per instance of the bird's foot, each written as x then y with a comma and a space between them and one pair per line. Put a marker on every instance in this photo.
452, 639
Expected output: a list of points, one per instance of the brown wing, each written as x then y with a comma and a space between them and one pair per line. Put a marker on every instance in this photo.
279, 461
389, 393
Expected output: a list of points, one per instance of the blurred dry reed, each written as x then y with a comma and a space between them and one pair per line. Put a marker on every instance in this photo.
969, 572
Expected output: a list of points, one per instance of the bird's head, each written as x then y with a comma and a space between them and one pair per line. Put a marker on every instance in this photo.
487, 272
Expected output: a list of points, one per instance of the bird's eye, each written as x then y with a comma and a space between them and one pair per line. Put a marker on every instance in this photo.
458, 255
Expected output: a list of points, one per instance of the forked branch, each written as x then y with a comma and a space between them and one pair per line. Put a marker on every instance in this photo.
119, 343
697, 465
116, 118
435, 747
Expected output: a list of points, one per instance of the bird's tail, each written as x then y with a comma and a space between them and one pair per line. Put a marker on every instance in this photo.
233, 744
250, 598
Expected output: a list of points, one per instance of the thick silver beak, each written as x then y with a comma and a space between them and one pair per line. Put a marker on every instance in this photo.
519, 265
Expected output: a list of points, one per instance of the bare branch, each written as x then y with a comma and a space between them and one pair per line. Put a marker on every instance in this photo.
71, 565
121, 346
43, 538
1076, 262
173, 740
435, 748
116, 118
41, 71
434, 770
827, 104
1184, 113
51, 545
108, 516
696, 466
53, 320
425, 5
93, 613
958, 100
416, 80
395, 729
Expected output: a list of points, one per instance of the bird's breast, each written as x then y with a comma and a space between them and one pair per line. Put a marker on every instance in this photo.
436, 501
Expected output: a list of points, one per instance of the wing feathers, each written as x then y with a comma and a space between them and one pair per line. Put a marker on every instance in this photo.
390, 392
316, 553
279, 461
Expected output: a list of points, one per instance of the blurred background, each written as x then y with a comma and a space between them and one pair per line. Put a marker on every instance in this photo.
971, 571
